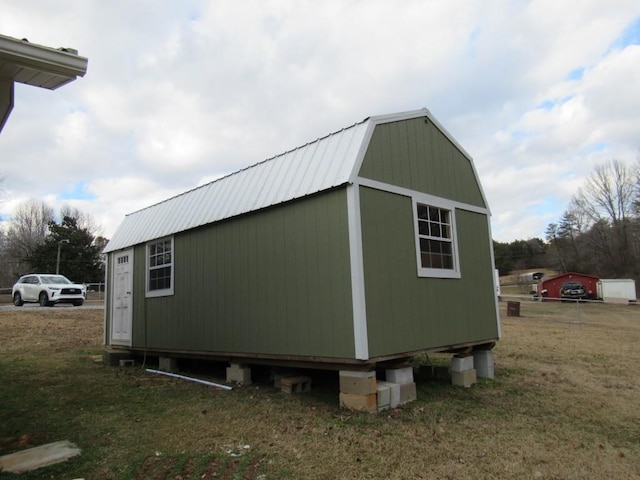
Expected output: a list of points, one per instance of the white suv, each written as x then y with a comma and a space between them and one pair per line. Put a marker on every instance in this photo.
47, 289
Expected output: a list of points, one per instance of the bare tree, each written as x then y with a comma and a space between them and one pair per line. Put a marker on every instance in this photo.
605, 206
608, 193
83, 220
6, 276
27, 230
2, 191
637, 200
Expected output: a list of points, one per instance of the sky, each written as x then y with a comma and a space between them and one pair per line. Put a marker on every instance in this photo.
178, 94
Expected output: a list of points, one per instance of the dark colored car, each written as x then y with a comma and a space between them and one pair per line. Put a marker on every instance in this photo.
573, 290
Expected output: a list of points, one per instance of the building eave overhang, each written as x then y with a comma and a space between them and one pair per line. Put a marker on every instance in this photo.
38, 65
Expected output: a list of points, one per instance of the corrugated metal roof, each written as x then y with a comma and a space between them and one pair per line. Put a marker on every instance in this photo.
325, 163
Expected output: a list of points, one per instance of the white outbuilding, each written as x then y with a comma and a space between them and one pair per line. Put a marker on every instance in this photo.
617, 290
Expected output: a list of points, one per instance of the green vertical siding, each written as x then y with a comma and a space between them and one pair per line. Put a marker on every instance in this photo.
415, 154
273, 282
408, 313
278, 281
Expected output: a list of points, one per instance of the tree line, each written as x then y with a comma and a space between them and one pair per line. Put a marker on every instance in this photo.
598, 234
34, 241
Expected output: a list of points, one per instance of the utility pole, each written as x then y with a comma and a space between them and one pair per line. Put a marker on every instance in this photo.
58, 260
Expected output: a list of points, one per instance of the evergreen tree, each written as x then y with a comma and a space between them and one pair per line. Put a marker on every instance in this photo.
77, 250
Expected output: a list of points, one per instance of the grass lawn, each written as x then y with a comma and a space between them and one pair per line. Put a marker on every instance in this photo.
565, 404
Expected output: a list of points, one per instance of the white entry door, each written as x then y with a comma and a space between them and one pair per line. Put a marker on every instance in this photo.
121, 314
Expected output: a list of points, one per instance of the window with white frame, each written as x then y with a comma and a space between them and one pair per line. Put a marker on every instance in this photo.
436, 241
160, 267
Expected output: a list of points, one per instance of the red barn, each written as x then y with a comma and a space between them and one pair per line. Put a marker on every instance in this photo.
550, 288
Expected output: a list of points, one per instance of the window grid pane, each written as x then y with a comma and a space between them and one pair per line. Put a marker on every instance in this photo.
160, 265
434, 231
160, 278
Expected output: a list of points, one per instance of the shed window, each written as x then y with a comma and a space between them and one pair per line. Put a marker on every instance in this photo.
160, 268
436, 241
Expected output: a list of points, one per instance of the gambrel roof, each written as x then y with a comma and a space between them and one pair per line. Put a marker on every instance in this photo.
326, 163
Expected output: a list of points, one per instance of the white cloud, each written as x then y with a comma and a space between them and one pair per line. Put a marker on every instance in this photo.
178, 93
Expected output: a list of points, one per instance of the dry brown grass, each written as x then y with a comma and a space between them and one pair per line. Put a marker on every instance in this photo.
564, 405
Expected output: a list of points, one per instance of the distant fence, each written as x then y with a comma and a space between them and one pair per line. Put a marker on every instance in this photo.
96, 291
536, 298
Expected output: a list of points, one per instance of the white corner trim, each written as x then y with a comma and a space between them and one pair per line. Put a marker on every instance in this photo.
495, 284
358, 299
108, 310
362, 151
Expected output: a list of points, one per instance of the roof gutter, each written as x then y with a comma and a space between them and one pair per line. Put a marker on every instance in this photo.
36, 65
63, 62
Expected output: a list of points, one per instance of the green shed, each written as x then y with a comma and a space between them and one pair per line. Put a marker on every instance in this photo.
366, 246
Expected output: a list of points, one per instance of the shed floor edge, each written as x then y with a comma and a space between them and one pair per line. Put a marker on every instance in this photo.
315, 362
